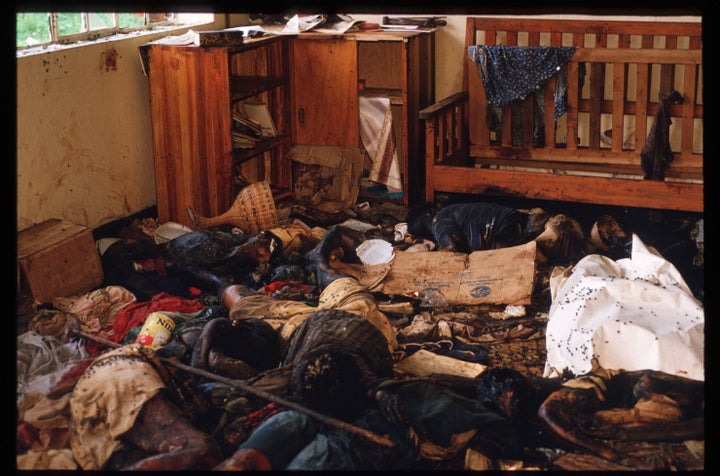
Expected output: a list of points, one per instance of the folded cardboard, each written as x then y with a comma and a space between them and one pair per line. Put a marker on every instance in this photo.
437, 278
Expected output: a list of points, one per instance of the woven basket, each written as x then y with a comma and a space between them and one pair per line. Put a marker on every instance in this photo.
252, 211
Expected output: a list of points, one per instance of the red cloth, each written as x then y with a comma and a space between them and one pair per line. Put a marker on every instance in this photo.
134, 315
275, 285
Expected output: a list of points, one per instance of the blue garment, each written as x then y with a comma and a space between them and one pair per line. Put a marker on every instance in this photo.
510, 73
477, 226
291, 440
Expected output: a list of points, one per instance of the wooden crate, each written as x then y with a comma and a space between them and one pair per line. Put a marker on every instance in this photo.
57, 259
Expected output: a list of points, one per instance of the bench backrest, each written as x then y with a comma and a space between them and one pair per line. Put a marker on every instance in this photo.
628, 66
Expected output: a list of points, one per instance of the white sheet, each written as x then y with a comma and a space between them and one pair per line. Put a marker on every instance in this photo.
633, 314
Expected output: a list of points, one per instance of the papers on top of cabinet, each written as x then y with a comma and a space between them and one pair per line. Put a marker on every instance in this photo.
335, 24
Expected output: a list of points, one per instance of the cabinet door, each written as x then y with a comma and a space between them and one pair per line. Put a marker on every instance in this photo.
325, 105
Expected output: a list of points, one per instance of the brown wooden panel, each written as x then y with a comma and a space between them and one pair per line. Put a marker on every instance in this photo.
558, 155
675, 171
324, 76
380, 64
572, 188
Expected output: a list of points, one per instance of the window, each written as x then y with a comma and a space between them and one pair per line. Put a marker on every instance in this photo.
35, 29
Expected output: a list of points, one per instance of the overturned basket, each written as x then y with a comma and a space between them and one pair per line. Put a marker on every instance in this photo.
252, 211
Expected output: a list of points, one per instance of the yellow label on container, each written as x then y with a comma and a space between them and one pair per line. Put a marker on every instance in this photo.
156, 330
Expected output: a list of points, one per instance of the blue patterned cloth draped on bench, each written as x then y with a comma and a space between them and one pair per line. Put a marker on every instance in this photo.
510, 73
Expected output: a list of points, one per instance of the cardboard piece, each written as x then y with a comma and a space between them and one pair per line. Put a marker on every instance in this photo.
57, 259
327, 178
502, 276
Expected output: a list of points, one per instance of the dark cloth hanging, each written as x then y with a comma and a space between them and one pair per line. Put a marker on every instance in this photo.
657, 155
510, 73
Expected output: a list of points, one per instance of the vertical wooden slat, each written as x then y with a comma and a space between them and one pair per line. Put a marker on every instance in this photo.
549, 113
597, 93
642, 95
430, 159
470, 36
571, 112
667, 71
533, 38
477, 101
462, 125
618, 110
511, 38
442, 137
688, 109
574, 95
596, 76
641, 106
623, 42
528, 106
506, 139
452, 131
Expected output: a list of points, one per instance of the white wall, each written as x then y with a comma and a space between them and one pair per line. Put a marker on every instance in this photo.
84, 143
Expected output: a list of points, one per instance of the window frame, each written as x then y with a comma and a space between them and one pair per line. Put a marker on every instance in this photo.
170, 20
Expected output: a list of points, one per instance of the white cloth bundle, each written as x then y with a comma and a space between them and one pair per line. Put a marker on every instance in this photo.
633, 314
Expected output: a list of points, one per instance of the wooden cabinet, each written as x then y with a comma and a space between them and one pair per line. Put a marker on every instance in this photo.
310, 86
324, 80
193, 91
326, 74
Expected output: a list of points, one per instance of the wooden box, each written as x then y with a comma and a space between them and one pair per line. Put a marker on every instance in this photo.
57, 259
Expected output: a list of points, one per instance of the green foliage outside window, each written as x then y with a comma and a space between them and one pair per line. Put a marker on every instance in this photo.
34, 28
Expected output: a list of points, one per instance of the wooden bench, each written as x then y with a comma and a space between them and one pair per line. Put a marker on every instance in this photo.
617, 76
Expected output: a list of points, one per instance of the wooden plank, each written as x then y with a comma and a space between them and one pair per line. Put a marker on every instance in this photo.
667, 71
528, 116
572, 188
477, 109
506, 133
586, 26
430, 158
424, 363
676, 171
559, 155
618, 115
637, 55
687, 132
596, 76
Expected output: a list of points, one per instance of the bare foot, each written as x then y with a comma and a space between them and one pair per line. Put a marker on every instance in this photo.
245, 459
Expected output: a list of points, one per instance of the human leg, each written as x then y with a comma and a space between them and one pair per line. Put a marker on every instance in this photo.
161, 429
274, 443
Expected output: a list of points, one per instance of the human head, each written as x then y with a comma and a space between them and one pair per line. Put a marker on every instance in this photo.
562, 240
329, 380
